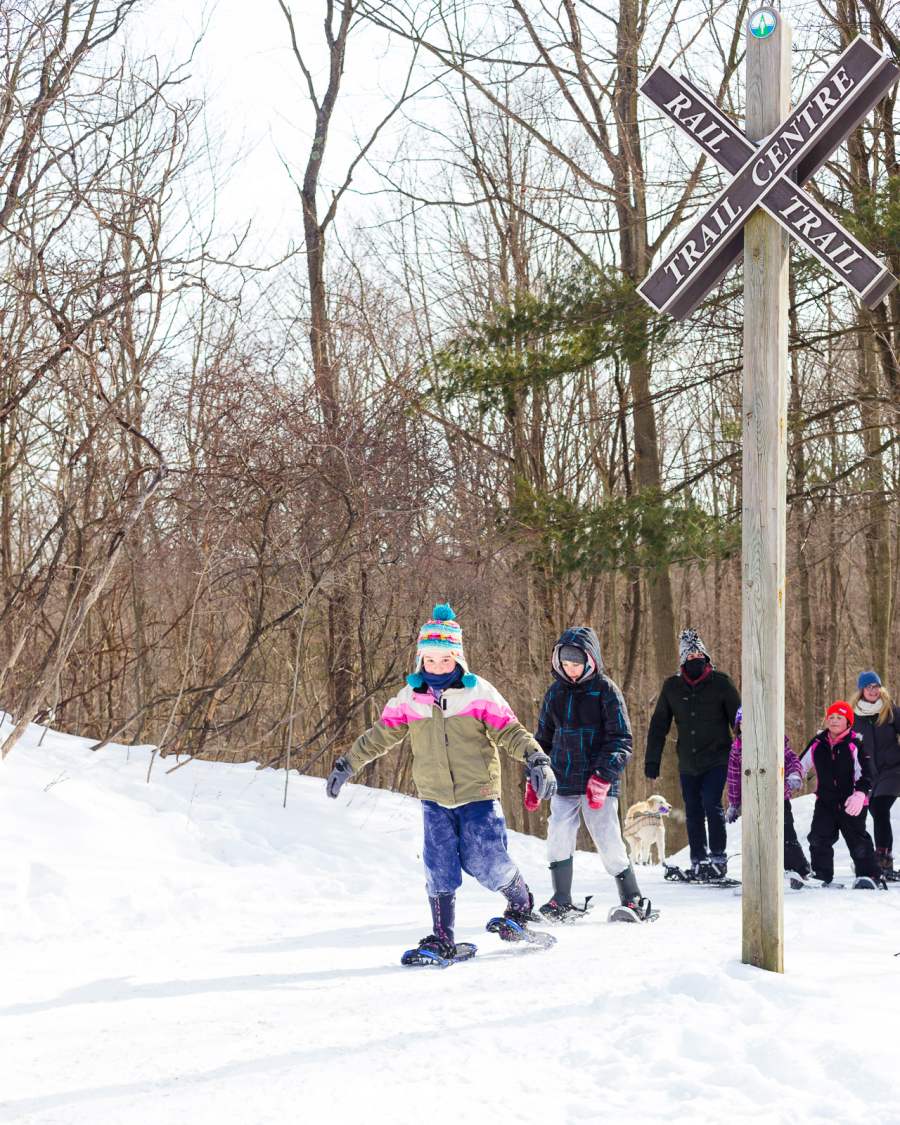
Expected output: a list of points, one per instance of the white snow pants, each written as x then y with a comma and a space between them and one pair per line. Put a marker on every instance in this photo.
602, 824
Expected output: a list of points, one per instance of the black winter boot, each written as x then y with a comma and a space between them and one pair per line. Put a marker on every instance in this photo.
561, 903
634, 907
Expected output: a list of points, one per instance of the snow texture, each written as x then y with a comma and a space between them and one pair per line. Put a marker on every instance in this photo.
189, 951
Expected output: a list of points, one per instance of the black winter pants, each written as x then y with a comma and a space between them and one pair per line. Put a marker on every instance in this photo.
828, 822
880, 808
794, 859
702, 793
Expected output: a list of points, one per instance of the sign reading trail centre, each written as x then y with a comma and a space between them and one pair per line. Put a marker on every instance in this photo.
771, 175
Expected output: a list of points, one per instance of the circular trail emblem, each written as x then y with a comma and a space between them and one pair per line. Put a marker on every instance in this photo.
763, 23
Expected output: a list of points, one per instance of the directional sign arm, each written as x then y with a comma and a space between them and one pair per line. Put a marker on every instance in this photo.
837, 249
765, 176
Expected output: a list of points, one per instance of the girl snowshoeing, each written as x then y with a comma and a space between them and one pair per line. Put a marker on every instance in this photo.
844, 774
455, 722
794, 859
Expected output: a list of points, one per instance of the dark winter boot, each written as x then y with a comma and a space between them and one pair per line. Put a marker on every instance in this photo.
795, 860
634, 907
718, 867
443, 915
561, 903
886, 863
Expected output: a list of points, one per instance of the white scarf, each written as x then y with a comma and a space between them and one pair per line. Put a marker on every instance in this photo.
864, 707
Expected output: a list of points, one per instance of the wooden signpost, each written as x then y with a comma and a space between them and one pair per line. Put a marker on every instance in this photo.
759, 211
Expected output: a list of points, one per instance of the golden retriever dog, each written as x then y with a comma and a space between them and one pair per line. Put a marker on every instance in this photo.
645, 827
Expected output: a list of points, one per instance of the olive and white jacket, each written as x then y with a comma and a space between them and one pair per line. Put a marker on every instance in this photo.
455, 742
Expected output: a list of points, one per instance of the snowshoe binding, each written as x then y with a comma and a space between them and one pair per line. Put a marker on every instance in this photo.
564, 912
640, 910
513, 926
699, 875
438, 953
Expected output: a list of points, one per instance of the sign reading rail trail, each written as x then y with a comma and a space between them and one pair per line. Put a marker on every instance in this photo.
763, 207
770, 175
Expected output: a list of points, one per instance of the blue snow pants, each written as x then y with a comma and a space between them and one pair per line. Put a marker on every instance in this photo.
470, 838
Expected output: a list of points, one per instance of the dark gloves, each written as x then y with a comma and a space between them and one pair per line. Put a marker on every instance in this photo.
541, 776
651, 770
341, 771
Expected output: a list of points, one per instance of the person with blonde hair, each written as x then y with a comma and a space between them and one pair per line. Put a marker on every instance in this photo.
877, 719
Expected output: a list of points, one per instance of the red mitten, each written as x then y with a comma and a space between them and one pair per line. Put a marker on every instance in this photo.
596, 791
531, 798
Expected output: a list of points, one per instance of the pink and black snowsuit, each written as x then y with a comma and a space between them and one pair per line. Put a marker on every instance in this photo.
842, 767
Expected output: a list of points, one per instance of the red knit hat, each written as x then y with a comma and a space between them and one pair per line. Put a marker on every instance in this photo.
841, 708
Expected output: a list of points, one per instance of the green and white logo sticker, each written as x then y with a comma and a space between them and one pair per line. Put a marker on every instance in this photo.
763, 23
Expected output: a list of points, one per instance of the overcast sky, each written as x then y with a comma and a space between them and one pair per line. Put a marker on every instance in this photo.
258, 112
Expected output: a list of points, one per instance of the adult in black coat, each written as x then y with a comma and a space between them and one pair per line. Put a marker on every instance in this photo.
877, 719
703, 702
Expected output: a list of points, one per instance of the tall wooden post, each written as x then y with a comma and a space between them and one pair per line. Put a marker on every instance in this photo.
764, 510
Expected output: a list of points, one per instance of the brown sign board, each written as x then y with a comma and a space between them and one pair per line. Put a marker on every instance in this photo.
769, 175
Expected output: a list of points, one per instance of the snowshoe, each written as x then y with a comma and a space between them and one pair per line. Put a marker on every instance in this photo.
564, 912
438, 952
508, 929
638, 911
698, 876
867, 883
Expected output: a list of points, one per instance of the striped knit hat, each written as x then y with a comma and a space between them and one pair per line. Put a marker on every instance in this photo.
689, 641
441, 633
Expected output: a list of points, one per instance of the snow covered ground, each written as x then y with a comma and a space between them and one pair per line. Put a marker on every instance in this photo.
190, 951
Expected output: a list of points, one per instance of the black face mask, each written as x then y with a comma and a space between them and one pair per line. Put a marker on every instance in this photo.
694, 668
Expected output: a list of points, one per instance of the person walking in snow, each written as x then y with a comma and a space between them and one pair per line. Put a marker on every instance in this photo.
703, 702
844, 776
583, 726
455, 721
877, 719
794, 858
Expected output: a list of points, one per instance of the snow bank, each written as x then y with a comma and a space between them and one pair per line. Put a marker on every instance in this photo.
189, 950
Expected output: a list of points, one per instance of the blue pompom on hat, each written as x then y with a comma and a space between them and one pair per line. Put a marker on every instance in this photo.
867, 679
441, 633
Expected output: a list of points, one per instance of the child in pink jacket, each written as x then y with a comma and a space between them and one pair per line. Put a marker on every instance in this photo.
794, 857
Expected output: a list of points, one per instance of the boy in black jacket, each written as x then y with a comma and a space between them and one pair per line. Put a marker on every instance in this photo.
584, 727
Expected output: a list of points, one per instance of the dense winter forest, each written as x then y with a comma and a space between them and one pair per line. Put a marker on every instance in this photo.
231, 489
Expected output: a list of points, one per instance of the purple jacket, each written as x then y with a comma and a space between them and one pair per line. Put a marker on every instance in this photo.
792, 765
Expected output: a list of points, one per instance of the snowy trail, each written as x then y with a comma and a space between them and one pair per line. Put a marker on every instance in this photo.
188, 950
